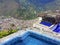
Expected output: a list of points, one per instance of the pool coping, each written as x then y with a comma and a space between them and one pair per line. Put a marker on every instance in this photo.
53, 38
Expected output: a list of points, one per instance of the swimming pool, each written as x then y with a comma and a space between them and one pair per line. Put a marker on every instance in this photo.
31, 38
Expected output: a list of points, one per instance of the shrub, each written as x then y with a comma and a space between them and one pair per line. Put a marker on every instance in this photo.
4, 33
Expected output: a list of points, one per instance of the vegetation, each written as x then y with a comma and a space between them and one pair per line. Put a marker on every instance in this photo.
12, 25
26, 9
27, 13
4, 33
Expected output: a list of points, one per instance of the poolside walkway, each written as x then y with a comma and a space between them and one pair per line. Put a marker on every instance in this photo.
42, 29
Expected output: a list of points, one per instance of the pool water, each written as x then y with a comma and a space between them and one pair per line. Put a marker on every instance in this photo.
31, 39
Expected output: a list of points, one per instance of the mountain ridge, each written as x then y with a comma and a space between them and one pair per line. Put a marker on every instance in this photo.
26, 8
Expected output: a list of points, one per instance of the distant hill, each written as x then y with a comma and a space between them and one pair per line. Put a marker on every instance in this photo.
26, 8
46, 4
40, 2
8, 7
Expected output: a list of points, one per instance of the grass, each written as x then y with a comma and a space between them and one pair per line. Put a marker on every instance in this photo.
4, 33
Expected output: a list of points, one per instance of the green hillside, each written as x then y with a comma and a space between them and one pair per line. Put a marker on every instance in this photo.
24, 9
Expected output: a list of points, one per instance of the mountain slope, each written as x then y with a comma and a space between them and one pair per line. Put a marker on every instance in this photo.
27, 8
8, 7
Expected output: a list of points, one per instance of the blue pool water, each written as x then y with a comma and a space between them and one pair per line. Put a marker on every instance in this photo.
33, 41
31, 38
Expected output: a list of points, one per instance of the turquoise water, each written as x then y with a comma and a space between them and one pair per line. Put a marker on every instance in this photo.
33, 41
30, 40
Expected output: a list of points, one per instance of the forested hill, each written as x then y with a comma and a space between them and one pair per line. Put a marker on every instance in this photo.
26, 8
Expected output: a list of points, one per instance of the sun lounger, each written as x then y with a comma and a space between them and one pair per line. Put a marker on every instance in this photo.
46, 23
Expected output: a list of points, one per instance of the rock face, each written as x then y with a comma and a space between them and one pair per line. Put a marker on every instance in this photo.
49, 19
